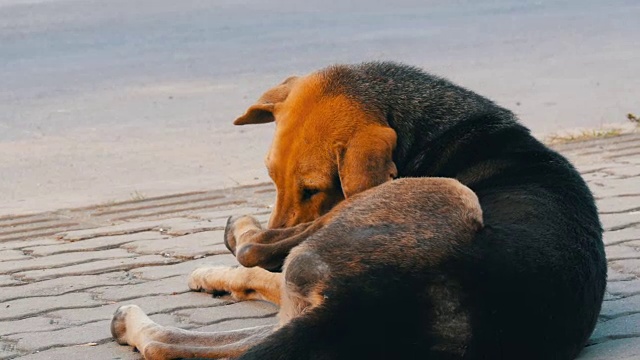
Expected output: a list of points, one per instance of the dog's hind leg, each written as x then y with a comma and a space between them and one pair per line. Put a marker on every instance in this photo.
242, 283
266, 248
131, 326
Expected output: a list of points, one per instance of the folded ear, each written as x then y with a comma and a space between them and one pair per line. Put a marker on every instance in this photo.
367, 159
262, 111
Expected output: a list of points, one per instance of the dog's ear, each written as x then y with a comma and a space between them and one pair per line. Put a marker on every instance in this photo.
262, 111
367, 159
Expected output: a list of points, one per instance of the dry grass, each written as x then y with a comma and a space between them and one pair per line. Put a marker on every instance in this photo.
583, 135
136, 196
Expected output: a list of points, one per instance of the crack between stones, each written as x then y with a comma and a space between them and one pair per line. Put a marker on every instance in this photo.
616, 196
607, 318
22, 317
620, 211
624, 226
67, 292
618, 242
614, 337
129, 268
116, 233
99, 248
43, 267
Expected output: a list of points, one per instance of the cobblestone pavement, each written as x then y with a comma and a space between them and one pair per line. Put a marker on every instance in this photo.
63, 273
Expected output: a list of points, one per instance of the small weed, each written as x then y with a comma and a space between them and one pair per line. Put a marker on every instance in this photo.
136, 195
634, 119
107, 203
583, 136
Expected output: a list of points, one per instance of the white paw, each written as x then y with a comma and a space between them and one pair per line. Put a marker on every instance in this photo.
211, 279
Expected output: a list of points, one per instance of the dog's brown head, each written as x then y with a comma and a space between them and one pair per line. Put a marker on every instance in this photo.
326, 148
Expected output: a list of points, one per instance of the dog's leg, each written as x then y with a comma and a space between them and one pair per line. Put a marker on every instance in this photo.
131, 326
242, 283
254, 246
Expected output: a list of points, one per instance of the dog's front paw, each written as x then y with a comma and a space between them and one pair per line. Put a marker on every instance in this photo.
236, 227
211, 279
222, 280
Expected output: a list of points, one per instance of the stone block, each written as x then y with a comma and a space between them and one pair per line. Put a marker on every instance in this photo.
96, 267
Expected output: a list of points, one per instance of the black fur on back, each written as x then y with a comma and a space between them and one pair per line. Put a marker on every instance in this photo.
535, 276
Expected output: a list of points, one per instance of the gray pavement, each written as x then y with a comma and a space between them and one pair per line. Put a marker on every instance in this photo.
63, 273
102, 101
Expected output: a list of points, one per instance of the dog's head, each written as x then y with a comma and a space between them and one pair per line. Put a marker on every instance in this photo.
326, 148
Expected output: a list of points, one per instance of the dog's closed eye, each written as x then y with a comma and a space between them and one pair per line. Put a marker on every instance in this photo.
307, 193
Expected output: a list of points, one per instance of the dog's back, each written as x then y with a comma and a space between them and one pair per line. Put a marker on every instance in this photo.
539, 265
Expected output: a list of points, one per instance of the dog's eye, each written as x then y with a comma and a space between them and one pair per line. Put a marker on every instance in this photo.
308, 193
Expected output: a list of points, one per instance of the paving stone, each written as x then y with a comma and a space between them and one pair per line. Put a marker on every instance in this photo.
613, 275
38, 323
620, 307
22, 308
150, 304
615, 187
635, 244
618, 204
239, 310
624, 288
196, 226
626, 170
7, 255
99, 243
612, 222
60, 260
95, 332
633, 161
8, 349
166, 286
629, 266
621, 327
188, 246
19, 244
622, 235
122, 229
621, 252
225, 214
7, 280
109, 350
96, 267
183, 268
66, 284
622, 349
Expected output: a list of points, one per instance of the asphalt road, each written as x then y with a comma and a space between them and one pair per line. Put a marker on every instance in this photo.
111, 100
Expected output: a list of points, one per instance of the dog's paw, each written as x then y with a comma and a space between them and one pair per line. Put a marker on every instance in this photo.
127, 321
236, 227
220, 281
211, 279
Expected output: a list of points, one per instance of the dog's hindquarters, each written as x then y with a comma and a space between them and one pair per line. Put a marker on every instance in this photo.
371, 283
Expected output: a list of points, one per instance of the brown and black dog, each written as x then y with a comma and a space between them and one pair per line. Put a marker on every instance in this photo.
488, 247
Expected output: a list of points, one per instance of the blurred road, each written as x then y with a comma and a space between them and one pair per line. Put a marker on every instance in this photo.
107, 100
